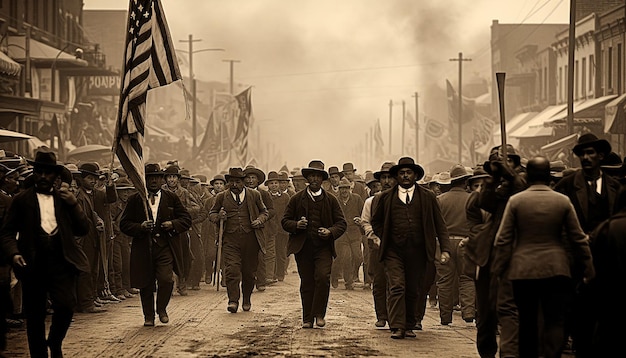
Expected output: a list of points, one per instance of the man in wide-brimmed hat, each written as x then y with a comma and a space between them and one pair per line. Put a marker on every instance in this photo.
332, 184
594, 195
358, 187
244, 214
451, 285
160, 246
47, 256
314, 221
284, 183
408, 221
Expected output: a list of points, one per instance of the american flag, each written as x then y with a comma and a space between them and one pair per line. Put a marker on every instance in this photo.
149, 62
378, 139
243, 125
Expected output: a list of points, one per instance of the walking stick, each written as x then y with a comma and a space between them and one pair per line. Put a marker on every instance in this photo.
219, 255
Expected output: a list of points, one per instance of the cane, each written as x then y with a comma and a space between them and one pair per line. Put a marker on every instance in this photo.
219, 255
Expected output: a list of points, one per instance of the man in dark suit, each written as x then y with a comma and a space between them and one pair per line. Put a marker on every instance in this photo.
47, 257
244, 214
158, 245
314, 220
408, 221
594, 195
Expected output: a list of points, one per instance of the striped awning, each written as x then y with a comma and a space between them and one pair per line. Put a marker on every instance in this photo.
8, 66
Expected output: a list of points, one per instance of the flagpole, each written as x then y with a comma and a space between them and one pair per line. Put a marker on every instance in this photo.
500, 77
390, 127
417, 128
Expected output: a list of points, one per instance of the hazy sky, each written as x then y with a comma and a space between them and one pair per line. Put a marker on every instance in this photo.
324, 71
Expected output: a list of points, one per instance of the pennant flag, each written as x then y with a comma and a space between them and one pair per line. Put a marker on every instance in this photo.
149, 62
453, 105
378, 139
243, 124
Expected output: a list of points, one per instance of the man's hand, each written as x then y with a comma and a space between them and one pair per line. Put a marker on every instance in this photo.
323, 232
100, 225
358, 220
222, 214
302, 223
373, 242
445, 257
66, 195
167, 225
18, 260
256, 224
147, 225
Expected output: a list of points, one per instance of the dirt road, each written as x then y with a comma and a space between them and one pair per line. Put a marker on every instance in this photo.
200, 326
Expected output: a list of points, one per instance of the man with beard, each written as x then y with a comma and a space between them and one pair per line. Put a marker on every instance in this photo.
409, 223
159, 243
47, 257
314, 220
243, 213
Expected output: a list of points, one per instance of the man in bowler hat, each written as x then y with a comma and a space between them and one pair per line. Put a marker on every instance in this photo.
408, 221
158, 243
314, 220
47, 257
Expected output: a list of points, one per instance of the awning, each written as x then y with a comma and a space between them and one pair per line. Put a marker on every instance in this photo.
8, 66
530, 129
589, 110
615, 116
563, 145
536, 131
516, 122
41, 53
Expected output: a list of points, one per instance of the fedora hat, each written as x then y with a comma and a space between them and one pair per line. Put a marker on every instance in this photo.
297, 174
335, 170
153, 169
407, 162
344, 183
218, 177
123, 184
234, 173
272, 176
590, 140
458, 173
478, 173
185, 174
251, 169
89, 168
46, 158
384, 169
369, 178
315, 166
348, 167
283, 175
172, 169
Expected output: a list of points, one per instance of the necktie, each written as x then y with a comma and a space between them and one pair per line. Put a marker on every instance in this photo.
408, 198
152, 198
238, 199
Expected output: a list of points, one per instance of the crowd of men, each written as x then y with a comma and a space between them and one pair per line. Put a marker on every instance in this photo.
527, 249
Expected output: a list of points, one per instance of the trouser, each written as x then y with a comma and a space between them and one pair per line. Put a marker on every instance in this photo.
270, 256
422, 293
6, 307
365, 252
344, 263
379, 284
452, 287
197, 263
405, 268
162, 282
210, 252
241, 259
467, 289
314, 266
115, 269
86, 286
282, 239
125, 244
102, 279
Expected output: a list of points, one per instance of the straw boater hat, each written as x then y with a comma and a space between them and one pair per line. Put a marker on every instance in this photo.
590, 140
217, 177
315, 166
235, 173
46, 158
407, 162
251, 169
383, 169
335, 170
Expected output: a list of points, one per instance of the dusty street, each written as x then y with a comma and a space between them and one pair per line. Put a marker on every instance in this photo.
200, 326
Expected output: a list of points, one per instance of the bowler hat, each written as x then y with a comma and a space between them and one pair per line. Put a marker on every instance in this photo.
590, 140
348, 167
315, 166
89, 168
218, 177
407, 162
384, 169
234, 173
335, 170
172, 169
251, 169
45, 158
153, 169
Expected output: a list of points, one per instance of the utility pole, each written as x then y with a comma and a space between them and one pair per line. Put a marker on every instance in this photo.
570, 66
417, 128
192, 82
232, 75
460, 116
403, 125
390, 114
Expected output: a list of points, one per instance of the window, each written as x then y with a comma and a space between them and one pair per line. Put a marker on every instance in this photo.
592, 72
576, 94
619, 68
560, 84
609, 69
583, 78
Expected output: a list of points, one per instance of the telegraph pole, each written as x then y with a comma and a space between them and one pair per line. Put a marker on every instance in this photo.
192, 81
570, 67
460, 116
232, 75
390, 113
403, 125
417, 128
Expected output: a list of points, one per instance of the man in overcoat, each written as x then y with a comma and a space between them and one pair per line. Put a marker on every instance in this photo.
47, 257
314, 220
408, 220
159, 243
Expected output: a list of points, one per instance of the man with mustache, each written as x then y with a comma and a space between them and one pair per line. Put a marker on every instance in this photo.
593, 194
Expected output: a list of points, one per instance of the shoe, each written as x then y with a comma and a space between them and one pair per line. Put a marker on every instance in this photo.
208, 280
446, 323
121, 297
109, 299
410, 334
148, 322
183, 292
195, 288
397, 333
320, 321
349, 287
163, 317
15, 323
99, 301
270, 282
246, 306
418, 326
380, 323
335, 283
93, 309
232, 307
307, 325
469, 319
456, 308
367, 286
260, 288
134, 291
433, 304
97, 304
129, 295
281, 279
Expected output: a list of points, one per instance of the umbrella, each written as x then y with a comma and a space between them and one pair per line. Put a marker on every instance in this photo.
90, 152
11, 136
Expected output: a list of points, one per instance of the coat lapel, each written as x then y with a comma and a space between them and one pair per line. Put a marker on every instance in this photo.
581, 194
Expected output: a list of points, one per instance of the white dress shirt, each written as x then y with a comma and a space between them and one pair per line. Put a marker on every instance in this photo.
47, 213
154, 208
403, 192
242, 195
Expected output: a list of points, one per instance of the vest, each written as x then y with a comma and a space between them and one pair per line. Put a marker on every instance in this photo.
238, 215
406, 223
314, 218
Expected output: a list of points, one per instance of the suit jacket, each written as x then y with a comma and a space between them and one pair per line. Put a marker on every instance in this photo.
23, 218
432, 221
529, 242
170, 209
331, 217
575, 187
256, 208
